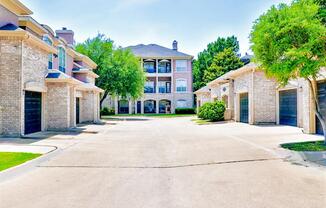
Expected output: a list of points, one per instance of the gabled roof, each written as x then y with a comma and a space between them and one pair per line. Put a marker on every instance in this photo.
156, 51
203, 90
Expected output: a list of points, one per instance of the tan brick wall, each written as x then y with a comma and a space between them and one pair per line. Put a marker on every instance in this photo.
87, 107
58, 104
264, 98
11, 86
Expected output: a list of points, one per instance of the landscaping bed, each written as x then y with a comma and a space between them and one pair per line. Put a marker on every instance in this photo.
314, 146
11, 159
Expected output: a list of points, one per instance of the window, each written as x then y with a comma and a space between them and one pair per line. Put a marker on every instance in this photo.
150, 66
181, 104
150, 106
164, 66
164, 87
47, 39
181, 65
149, 87
181, 85
62, 59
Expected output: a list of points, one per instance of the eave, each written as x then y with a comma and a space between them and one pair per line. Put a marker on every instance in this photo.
16, 7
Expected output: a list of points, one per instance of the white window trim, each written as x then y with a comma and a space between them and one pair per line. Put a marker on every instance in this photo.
181, 100
176, 66
176, 85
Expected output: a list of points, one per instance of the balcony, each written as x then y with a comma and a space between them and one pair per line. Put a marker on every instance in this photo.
164, 87
149, 90
150, 66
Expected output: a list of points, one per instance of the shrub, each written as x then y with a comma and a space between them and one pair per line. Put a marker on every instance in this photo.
185, 111
107, 112
212, 111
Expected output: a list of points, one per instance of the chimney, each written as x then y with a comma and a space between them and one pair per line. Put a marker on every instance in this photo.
175, 45
67, 35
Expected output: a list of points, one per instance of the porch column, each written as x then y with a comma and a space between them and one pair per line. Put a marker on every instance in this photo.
130, 106
142, 106
157, 107
116, 106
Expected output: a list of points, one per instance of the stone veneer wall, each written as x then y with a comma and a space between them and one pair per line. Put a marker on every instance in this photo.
264, 98
87, 107
242, 84
11, 86
58, 105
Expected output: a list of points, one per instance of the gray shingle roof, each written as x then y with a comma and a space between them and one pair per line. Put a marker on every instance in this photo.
156, 51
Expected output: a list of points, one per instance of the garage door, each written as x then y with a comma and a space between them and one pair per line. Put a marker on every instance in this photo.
322, 104
33, 112
244, 108
288, 107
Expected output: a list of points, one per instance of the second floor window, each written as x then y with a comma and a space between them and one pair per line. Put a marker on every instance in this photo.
150, 66
50, 56
181, 65
164, 66
62, 59
149, 87
181, 85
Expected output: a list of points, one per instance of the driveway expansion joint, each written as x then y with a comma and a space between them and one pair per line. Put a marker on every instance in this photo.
161, 167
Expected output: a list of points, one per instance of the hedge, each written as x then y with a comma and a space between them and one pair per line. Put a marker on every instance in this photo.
107, 112
212, 111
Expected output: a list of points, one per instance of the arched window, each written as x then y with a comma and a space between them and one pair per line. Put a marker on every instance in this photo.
181, 85
182, 104
62, 59
49, 41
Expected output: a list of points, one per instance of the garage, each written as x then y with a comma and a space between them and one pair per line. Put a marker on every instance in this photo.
244, 108
288, 107
322, 105
33, 112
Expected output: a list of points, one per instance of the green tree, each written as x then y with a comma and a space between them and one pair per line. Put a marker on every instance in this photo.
222, 63
205, 58
119, 70
289, 41
322, 10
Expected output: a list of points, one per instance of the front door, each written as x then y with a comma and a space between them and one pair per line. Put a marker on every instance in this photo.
244, 108
33, 112
77, 110
138, 107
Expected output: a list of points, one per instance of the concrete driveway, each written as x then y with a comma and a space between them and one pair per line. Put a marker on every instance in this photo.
169, 163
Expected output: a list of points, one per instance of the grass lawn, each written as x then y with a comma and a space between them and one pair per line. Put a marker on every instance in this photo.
315, 146
201, 121
11, 159
150, 115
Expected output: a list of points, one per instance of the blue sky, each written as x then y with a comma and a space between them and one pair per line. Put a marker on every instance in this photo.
129, 22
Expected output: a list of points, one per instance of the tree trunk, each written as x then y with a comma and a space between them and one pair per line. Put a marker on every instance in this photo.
317, 110
103, 98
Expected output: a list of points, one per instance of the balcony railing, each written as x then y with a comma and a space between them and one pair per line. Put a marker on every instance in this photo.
164, 90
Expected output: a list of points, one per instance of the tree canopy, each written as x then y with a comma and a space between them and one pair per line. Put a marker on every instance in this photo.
222, 63
119, 70
205, 58
289, 41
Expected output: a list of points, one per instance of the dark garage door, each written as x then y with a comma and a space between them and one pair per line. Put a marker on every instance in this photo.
322, 104
33, 112
244, 108
288, 107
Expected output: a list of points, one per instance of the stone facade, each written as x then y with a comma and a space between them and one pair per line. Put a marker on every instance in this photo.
25, 68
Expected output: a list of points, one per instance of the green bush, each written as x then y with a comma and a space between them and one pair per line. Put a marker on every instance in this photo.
185, 111
212, 111
107, 112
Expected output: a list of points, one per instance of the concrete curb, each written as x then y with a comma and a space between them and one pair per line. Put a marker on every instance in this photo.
28, 166
316, 159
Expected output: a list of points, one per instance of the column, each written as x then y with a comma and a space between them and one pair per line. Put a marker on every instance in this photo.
116, 105
157, 106
130, 106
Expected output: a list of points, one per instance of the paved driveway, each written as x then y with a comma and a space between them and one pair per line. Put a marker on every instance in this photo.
169, 163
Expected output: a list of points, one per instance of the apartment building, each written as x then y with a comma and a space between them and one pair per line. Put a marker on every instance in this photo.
44, 83
168, 85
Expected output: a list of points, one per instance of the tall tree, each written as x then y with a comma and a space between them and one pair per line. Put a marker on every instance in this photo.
289, 41
222, 63
205, 58
119, 70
